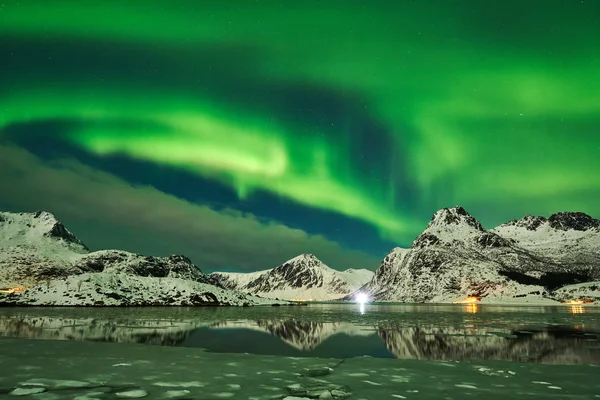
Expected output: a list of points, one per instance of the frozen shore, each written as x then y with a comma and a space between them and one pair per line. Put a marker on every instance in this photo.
107, 370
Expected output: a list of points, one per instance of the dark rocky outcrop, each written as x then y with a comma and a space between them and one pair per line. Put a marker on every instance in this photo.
490, 239
454, 216
528, 222
573, 220
424, 240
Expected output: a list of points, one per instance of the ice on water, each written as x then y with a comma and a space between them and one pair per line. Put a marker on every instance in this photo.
68, 370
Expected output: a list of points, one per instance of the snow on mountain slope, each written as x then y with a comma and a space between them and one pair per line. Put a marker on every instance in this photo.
580, 291
449, 225
455, 257
567, 238
116, 261
234, 280
387, 277
35, 247
108, 289
303, 277
357, 277
35, 229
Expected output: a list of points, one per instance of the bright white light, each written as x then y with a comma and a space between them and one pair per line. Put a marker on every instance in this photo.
361, 298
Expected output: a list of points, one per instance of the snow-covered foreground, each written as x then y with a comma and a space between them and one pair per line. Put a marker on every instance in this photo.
91, 370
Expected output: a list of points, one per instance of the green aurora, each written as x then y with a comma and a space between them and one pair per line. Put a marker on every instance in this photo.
491, 105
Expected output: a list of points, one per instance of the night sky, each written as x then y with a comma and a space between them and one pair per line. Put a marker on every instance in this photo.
242, 133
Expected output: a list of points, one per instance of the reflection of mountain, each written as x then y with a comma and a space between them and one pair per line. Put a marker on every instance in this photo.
553, 345
550, 345
303, 335
146, 331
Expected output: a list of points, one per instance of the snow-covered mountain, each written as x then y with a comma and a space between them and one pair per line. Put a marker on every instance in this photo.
35, 247
569, 239
456, 257
304, 277
38, 253
31, 229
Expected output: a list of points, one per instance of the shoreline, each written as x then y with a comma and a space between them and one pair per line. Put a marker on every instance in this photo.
290, 303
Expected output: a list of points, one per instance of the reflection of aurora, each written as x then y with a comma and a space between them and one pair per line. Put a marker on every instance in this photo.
551, 345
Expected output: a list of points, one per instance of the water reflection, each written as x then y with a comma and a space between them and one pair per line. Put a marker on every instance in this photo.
471, 308
472, 338
548, 345
577, 309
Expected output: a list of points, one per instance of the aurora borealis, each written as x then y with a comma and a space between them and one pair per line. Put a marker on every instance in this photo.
242, 133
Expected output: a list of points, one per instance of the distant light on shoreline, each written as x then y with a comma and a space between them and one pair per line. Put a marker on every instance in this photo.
361, 298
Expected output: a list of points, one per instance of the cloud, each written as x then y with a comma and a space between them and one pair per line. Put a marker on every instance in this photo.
107, 212
216, 119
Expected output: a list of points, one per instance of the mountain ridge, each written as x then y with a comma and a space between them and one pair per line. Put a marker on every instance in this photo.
40, 255
456, 257
36, 247
303, 277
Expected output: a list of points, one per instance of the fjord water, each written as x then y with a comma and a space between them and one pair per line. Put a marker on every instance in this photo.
458, 350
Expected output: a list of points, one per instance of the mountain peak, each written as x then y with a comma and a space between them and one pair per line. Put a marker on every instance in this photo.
529, 222
578, 221
303, 261
454, 216
31, 227
39, 219
44, 216
302, 277
303, 257
562, 221
448, 225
